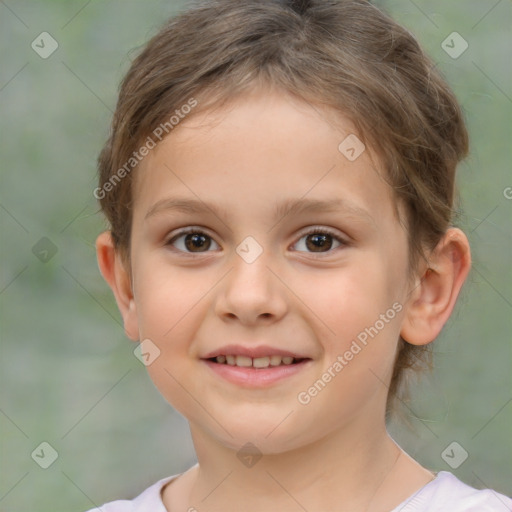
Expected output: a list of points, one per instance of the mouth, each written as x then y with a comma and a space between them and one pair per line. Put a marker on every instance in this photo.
255, 367
256, 362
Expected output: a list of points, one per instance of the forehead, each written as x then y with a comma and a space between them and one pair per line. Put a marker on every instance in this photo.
260, 150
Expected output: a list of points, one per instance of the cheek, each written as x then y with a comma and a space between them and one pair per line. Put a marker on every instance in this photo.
355, 299
168, 305
165, 297
361, 307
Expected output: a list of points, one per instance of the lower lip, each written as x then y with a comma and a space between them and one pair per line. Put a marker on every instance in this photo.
256, 377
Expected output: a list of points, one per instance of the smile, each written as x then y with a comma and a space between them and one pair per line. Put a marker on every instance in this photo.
256, 362
256, 372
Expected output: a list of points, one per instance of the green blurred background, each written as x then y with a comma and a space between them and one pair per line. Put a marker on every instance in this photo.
68, 374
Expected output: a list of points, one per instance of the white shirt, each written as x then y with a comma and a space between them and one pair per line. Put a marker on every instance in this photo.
446, 493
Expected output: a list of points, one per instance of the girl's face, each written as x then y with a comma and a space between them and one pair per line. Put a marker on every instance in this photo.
259, 235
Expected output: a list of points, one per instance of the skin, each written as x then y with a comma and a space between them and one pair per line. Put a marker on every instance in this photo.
333, 453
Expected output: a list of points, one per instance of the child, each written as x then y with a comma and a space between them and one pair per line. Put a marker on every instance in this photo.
279, 182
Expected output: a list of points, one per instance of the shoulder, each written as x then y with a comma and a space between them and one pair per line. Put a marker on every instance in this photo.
446, 493
115, 506
150, 499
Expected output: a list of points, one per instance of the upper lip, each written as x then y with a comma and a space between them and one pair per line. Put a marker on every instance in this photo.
253, 352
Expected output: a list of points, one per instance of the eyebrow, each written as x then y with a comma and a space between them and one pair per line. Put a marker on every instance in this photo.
283, 209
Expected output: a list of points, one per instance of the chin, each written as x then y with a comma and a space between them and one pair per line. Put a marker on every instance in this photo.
270, 435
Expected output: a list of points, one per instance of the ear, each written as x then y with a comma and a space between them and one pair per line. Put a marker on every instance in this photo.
114, 271
436, 291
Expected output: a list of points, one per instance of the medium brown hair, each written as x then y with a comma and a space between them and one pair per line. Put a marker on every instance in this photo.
345, 55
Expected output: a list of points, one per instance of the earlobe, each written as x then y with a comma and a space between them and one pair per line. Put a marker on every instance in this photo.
433, 299
113, 269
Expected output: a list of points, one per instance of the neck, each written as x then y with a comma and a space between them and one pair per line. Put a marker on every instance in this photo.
343, 470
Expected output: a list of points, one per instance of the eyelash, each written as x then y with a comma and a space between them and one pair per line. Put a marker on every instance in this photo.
315, 230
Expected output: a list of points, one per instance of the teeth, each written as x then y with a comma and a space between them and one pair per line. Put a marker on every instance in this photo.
275, 360
243, 361
257, 362
261, 362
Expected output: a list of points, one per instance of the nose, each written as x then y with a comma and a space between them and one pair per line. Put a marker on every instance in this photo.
251, 292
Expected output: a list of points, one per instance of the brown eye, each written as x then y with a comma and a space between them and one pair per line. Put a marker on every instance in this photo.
319, 241
197, 242
191, 241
